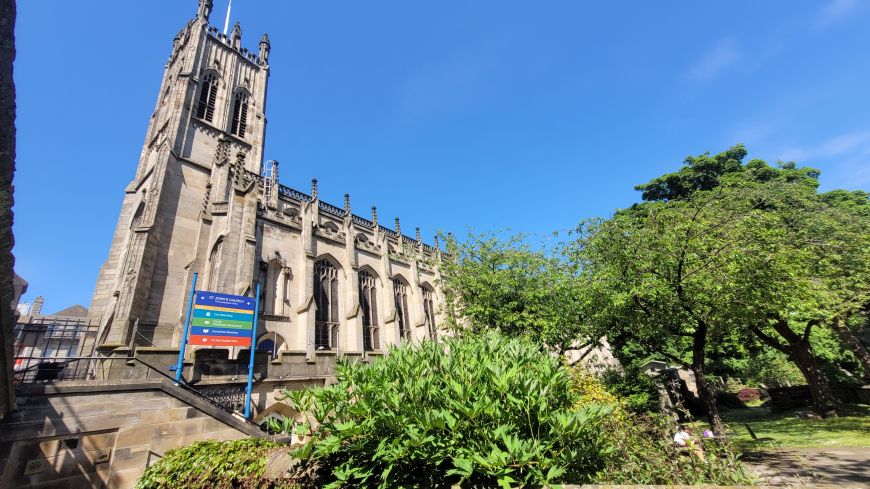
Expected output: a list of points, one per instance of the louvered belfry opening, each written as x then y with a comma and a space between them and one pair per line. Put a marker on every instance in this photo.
207, 98
400, 290
326, 303
240, 115
369, 304
429, 311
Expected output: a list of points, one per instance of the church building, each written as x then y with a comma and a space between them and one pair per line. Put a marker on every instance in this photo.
203, 201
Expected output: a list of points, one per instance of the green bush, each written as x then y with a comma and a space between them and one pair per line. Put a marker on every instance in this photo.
474, 411
484, 411
635, 387
213, 465
645, 454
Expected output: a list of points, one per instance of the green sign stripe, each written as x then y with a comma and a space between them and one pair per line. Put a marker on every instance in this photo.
233, 316
221, 323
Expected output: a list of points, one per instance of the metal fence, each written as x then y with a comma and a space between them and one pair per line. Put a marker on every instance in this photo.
43, 346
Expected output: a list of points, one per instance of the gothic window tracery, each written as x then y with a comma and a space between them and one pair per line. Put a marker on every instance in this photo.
240, 114
274, 288
326, 304
369, 304
214, 265
400, 293
429, 310
207, 97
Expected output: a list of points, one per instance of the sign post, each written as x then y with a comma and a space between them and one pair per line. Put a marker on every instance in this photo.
224, 320
180, 367
253, 354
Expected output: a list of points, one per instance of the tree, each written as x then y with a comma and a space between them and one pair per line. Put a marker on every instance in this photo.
803, 256
800, 263
847, 225
490, 283
699, 173
653, 275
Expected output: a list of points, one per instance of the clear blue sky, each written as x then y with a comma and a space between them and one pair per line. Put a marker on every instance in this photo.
453, 114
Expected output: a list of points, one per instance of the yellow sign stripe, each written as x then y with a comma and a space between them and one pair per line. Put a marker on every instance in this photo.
224, 309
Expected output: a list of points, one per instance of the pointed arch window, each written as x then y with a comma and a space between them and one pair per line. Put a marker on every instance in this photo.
214, 265
326, 303
400, 292
240, 115
429, 311
207, 98
368, 301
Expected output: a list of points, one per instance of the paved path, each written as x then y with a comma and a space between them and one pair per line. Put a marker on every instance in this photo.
840, 467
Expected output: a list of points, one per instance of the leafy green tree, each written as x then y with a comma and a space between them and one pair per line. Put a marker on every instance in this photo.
506, 285
846, 225
698, 173
801, 263
653, 275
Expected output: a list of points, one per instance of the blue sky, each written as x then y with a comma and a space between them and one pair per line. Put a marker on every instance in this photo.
454, 114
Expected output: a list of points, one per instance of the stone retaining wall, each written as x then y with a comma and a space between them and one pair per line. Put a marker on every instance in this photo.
103, 434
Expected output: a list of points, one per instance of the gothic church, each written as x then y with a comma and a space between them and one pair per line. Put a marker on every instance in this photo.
204, 201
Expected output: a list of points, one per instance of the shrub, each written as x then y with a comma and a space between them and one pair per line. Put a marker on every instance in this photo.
729, 400
645, 454
480, 410
635, 387
748, 394
213, 465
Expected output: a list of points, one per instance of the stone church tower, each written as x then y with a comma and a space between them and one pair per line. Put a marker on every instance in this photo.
202, 153
203, 201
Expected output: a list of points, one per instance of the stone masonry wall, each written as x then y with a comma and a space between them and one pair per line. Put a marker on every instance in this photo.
78, 436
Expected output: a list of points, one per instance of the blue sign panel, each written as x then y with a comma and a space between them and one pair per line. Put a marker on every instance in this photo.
204, 331
204, 298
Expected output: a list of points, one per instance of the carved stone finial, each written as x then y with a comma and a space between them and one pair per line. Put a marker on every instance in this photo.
265, 48
375, 216
419, 239
204, 10
313, 188
236, 36
399, 229
347, 204
437, 245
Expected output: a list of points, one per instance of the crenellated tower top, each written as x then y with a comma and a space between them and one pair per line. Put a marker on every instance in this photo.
204, 10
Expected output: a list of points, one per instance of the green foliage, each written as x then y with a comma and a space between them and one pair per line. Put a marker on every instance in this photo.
637, 390
765, 366
213, 465
490, 283
481, 410
723, 255
698, 173
645, 454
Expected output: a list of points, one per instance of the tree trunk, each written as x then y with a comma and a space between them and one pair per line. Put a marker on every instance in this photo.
708, 397
7, 170
801, 353
824, 403
853, 343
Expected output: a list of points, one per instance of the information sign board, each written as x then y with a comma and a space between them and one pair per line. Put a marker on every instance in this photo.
221, 319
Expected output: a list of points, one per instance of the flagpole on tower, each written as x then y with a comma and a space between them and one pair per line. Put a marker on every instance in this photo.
227, 22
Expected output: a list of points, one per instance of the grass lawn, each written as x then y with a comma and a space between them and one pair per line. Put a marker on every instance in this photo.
851, 429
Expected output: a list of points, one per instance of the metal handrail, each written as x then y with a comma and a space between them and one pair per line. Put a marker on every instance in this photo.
151, 368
